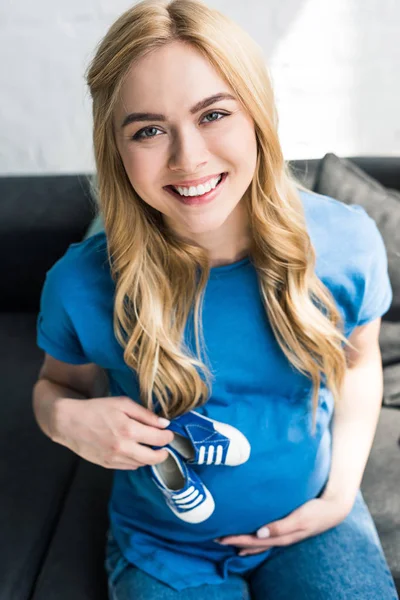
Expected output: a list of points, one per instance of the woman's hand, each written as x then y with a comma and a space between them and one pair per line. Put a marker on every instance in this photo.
308, 520
113, 432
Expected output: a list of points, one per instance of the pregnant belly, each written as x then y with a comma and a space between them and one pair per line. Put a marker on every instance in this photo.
266, 488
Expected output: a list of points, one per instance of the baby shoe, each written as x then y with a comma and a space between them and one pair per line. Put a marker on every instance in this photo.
203, 441
183, 490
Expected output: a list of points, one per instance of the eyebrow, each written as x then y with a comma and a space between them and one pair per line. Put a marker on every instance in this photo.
131, 118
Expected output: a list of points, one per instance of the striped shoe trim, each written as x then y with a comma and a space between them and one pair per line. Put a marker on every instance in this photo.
220, 452
187, 499
198, 500
210, 455
202, 453
187, 492
211, 460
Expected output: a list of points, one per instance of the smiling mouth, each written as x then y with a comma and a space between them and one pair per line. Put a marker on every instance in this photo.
172, 189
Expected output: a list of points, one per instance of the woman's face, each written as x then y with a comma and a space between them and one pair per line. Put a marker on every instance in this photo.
182, 142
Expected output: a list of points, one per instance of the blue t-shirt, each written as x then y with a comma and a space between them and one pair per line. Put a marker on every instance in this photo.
255, 389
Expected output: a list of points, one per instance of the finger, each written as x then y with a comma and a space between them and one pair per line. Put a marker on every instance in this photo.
136, 411
145, 434
286, 540
125, 466
252, 551
284, 526
145, 455
117, 460
252, 541
296, 521
240, 540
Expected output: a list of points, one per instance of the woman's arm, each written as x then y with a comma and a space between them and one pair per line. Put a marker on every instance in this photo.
356, 417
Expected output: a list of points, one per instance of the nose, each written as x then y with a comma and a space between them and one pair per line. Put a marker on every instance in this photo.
189, 152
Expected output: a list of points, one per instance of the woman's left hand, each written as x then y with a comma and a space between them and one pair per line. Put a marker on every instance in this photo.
313, 517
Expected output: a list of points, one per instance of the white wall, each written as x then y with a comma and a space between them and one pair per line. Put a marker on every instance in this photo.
335, 67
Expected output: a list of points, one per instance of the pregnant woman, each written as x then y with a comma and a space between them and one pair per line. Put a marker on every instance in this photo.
217, 343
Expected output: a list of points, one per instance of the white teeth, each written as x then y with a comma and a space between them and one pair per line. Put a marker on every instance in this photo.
200, 189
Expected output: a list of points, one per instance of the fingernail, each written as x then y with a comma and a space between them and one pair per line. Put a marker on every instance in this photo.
163, 422
219, 541
263, 532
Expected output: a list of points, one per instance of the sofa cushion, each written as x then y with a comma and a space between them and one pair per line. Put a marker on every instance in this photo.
380, 487
34, 472
391, 386
343, 180
74, 564
389, 342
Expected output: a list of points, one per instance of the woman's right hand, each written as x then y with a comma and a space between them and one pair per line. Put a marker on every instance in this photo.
114, 432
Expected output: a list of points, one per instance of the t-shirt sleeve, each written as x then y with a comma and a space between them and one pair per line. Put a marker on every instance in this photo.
56, 334
374, 290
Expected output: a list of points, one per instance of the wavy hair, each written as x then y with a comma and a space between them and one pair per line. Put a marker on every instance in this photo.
160, 279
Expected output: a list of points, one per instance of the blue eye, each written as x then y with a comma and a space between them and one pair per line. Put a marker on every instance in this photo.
215, 112
140, 137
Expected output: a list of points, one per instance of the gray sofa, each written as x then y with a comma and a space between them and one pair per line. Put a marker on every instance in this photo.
54, 504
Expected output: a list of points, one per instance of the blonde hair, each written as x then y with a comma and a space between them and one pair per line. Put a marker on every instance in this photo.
160, 278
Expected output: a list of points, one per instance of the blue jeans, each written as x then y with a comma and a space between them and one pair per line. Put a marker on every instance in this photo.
344, 563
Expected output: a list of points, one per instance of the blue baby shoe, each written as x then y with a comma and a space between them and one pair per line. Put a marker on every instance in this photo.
183, 490
203, 441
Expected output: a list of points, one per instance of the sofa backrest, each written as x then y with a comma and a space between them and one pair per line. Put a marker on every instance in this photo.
39, 217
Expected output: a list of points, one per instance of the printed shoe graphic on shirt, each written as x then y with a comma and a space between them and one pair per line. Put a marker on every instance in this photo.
204, 441
184, 492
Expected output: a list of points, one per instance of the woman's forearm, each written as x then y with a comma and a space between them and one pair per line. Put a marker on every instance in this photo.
45, 397
354, 425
